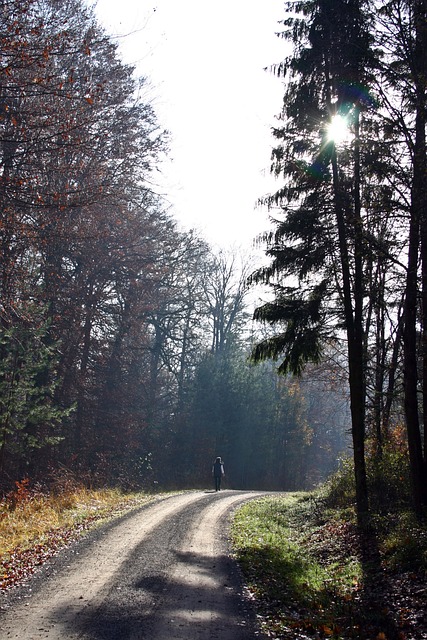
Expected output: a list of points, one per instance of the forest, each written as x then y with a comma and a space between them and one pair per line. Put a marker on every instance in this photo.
131, 352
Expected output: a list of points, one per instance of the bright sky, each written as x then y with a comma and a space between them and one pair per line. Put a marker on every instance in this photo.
205, 60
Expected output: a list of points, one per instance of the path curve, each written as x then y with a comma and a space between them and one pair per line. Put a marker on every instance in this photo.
161, 573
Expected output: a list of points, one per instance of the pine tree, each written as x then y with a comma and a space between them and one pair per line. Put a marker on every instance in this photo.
318, 268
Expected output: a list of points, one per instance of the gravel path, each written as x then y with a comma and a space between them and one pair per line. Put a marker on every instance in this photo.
162, 572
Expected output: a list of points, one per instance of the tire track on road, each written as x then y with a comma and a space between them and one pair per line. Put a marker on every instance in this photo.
203, 599
161, 573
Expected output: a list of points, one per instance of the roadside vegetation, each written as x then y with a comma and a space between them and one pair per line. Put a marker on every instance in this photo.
312, 573
36, 525
310, 570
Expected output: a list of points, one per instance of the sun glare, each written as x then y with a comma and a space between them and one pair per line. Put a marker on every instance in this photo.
338, 130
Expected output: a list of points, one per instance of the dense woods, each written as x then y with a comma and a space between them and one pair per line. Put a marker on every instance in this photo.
125, 341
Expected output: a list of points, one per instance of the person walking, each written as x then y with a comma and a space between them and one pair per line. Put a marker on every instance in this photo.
218, 472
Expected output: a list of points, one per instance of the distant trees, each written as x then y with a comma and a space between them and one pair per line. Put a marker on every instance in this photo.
225, 289
347, 211
273, 432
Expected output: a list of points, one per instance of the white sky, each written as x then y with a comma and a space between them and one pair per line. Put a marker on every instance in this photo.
205, 61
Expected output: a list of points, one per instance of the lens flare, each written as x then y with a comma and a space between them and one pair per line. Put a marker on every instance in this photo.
337, 130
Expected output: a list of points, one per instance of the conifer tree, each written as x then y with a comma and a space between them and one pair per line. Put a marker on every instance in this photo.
318, 266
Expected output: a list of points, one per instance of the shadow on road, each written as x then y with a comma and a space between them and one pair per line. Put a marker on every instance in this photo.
200, 600
160, 593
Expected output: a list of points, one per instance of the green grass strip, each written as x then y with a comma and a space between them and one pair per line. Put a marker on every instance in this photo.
297, 591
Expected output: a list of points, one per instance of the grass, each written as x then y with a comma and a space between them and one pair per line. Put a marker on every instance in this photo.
307, 568
312, 575
34, 525
297, 589
30, 521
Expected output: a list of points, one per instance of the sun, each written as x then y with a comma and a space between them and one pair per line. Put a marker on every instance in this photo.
337, 130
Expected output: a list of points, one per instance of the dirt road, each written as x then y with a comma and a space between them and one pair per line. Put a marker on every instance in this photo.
160, 573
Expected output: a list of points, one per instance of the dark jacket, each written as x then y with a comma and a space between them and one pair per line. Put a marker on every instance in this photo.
218, 469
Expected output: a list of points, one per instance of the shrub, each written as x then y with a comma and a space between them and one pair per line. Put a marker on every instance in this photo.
388, 477
340, 489
389, 481
405, 543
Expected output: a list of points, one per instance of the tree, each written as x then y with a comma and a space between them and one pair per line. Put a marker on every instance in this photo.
402, 37
274, 433
225, 291
322, 239
175, 322
29, 414
78, 220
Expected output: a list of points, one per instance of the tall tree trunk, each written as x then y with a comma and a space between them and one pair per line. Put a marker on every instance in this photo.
392, 369
355, 351
379, 365
417, 232
358, 356
349, 226
420, 160
410, 362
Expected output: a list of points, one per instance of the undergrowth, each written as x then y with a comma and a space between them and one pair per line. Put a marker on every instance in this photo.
35, 525
297, 591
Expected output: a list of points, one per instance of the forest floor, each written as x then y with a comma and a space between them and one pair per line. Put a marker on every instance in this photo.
313, 575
